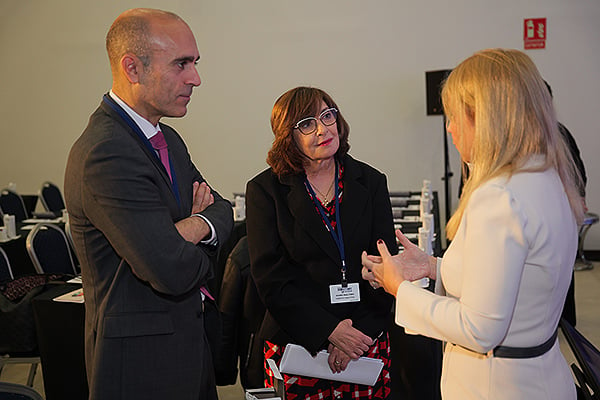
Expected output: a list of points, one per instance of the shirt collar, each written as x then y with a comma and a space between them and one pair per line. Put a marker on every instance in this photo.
146, 127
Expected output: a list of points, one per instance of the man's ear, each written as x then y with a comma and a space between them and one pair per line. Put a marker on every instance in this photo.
130, 66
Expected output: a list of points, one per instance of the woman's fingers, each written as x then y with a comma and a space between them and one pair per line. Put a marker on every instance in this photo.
367, 274
364, 259
404, 241
383, 250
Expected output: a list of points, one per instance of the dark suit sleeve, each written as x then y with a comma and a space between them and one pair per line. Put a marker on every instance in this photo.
128, 201
220, 213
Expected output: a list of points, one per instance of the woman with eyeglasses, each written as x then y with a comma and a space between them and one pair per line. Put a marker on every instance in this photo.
501, 285
308, 218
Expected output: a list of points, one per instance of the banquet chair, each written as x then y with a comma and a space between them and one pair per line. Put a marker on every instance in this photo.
587, 369
581, 263
51, 198
69, 233
32, 359
6, 273
15, 391
49, 250
11, 353
72, 244
12, 203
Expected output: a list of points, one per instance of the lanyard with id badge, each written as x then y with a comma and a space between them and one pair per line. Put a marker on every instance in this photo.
344, 292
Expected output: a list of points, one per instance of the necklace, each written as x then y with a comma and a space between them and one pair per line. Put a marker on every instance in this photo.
325, 196
317, 173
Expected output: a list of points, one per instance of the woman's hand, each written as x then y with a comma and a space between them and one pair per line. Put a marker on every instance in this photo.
367, 273
349, 340
337, 360
390, 271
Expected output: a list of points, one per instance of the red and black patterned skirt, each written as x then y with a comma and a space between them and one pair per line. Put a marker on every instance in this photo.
301, 387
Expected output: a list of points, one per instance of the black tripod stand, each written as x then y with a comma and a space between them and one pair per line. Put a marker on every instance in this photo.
433, 80
447, 173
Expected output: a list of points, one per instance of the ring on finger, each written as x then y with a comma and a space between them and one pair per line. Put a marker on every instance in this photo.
338, 362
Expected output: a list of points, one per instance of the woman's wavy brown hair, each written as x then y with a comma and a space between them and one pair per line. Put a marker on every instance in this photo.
285, 157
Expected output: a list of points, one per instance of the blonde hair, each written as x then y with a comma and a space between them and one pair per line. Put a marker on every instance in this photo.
503, 94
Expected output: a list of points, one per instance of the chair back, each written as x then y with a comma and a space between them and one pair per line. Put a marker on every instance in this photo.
51, 197
71, 243
12, 203
588, 358
49, 250
69, 233
16, 391
6, 273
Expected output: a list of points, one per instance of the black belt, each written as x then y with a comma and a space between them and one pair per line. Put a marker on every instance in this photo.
526, 352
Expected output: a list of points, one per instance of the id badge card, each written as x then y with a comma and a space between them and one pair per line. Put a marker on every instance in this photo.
340, 294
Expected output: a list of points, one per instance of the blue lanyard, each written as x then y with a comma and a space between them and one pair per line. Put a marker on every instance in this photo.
337, 236
117, 108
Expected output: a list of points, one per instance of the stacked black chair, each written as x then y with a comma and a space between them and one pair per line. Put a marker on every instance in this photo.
17, 336
6, 273
51, 198
587, 369
12, 203
15, 391
50, 251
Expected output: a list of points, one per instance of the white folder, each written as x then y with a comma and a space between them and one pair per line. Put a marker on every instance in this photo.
297, 360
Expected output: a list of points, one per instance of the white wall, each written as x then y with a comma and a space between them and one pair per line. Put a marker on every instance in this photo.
370, 56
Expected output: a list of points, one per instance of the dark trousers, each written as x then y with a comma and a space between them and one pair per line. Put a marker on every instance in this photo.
568, 312
416, 365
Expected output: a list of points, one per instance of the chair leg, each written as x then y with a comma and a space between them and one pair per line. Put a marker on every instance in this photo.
581, 263
32, 371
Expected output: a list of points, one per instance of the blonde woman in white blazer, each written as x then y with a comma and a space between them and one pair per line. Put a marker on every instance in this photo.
502, 282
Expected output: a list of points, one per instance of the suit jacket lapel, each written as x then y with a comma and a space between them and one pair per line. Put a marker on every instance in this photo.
355, 199
145, 145
174, 185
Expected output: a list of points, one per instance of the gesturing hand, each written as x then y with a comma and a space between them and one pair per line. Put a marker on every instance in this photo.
390, 271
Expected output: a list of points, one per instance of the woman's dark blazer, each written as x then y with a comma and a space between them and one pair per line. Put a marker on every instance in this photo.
294, 259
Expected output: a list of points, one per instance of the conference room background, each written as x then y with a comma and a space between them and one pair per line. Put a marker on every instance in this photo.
370, 56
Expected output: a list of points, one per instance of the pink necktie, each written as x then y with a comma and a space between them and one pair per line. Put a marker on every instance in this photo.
159, 143
204, 290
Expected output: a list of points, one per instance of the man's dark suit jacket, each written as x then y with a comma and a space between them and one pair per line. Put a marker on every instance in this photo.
144, 325
294, 259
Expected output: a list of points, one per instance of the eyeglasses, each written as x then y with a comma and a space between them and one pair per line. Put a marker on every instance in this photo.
308, 125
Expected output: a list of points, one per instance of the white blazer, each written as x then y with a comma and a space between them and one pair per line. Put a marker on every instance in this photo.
502, 281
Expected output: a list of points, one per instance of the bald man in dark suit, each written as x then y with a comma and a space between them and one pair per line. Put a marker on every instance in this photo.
145, 223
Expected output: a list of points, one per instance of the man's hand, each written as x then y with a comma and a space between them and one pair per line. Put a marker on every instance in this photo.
202, 197
194, 229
